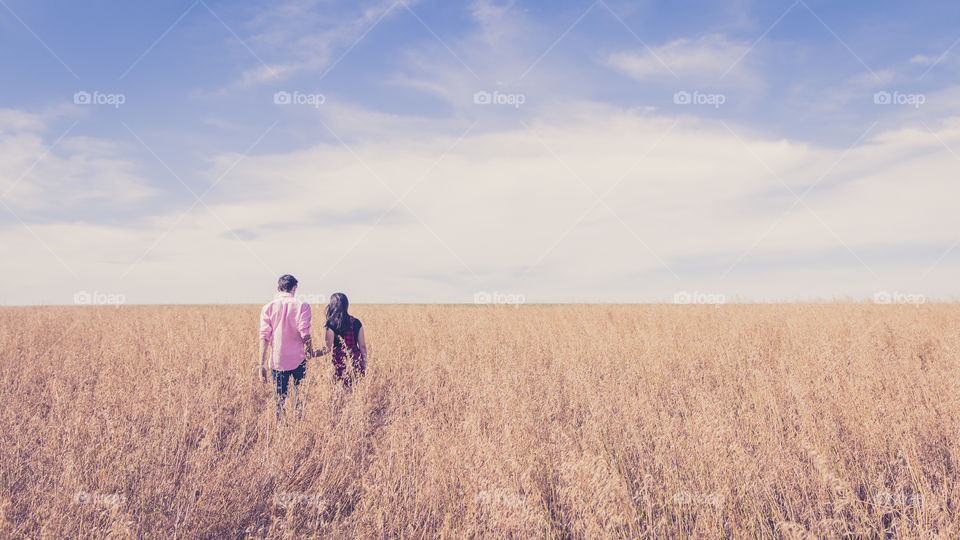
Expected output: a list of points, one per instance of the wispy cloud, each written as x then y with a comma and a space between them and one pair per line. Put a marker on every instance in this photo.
703, 194
311, 35
56, 173
703, 58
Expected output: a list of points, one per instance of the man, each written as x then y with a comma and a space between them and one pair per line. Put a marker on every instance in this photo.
285, 337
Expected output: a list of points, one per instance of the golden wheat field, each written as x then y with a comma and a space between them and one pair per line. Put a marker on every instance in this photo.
661, 421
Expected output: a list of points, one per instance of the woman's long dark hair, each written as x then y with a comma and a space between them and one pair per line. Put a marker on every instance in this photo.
337, 316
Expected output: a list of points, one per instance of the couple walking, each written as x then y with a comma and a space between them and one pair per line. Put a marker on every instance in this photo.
286, 344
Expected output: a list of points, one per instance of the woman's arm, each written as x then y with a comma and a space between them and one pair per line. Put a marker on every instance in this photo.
321, 351
329, 346
362, 343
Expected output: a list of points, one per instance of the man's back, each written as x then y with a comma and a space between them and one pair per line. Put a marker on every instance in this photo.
285, 322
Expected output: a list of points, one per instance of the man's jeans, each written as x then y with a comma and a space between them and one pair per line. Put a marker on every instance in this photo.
281, 380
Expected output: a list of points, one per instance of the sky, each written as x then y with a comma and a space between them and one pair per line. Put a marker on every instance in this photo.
192, 151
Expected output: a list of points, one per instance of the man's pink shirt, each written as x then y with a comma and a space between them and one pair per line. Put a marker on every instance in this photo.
285, 322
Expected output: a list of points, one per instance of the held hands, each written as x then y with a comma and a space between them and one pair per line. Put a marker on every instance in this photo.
314, 353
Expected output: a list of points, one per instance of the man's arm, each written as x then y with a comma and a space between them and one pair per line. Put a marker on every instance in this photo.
264, 349
304, 327
308, 346
266, 335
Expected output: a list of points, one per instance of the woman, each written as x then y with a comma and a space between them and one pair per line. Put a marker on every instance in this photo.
345, 339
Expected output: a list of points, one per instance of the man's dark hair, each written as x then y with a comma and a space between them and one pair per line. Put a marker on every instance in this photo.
287, 283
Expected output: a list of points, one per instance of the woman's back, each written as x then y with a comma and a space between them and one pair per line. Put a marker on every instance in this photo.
345, 341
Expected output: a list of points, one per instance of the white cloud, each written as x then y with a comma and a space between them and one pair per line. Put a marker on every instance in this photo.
491, 208
923, 59
42, 170
706, 58
15, 120
308, 35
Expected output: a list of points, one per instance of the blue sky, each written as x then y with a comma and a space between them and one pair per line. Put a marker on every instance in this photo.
631, 151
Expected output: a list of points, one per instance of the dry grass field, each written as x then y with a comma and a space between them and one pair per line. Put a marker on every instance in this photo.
789, 421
